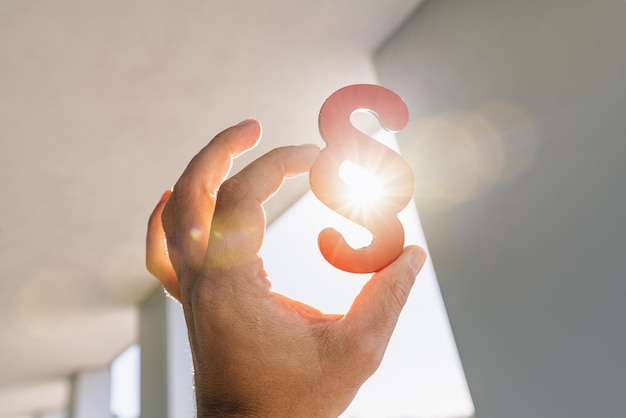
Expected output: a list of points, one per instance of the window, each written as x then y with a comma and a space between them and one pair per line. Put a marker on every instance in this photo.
125, 384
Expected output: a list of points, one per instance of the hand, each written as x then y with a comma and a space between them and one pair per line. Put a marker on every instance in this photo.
256, 352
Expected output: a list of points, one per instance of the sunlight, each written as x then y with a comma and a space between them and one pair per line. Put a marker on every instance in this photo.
365, 186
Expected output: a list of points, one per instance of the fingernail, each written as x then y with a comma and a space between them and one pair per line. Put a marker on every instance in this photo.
165, 195
416, 260
245, 122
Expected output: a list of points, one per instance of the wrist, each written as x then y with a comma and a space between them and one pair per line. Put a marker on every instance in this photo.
224, 411
274, 409
224, 408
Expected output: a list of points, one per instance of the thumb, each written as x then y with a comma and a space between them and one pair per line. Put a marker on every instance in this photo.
376, 309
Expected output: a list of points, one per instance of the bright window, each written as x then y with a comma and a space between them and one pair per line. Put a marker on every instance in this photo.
125, 372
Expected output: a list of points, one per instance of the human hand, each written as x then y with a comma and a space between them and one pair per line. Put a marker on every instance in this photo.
258, 353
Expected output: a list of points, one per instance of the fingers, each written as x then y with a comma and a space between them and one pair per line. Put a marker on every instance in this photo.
194, 195
261, 179
376, 309
157, 259
239, 220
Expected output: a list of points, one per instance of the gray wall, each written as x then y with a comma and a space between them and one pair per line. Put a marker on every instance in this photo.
518, 141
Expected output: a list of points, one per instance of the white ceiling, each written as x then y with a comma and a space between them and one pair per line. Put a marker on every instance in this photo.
101, 106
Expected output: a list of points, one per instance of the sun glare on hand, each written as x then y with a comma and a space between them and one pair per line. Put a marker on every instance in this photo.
366, 188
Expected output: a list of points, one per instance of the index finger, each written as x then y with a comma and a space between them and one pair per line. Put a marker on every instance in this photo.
239, 218
194, 195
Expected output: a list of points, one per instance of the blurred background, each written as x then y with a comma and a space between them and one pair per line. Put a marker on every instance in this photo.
516, 139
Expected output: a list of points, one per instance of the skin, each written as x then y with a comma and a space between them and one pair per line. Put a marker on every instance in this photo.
258, 353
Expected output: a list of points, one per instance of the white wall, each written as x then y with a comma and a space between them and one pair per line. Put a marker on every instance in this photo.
518, 140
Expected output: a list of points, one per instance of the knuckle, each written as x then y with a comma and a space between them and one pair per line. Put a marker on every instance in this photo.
397, 296
370, 351
278, 155
183, 187
231, 192
187, 192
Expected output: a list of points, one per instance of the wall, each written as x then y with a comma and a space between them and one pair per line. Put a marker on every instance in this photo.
518, 142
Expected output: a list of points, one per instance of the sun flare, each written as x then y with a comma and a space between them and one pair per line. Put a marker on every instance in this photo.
365, 187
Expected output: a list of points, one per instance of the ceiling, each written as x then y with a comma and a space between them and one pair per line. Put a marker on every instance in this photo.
101, 106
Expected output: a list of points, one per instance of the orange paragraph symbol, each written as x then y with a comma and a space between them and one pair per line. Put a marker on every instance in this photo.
346, 143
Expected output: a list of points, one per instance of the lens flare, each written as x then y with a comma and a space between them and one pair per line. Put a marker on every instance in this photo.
196, 233
365, 187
